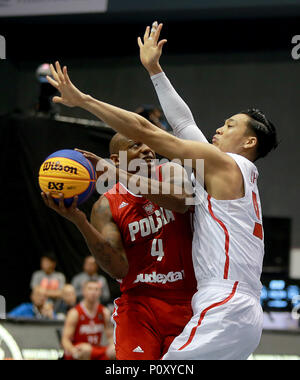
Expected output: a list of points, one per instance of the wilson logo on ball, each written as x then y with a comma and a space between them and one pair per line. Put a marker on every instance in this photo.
58, 167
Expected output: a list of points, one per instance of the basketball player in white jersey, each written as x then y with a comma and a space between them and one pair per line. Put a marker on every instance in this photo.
231, 226
228, 239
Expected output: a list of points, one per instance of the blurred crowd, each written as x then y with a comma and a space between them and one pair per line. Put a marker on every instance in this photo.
52, 298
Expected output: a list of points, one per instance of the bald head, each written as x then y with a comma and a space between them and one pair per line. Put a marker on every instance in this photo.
134, 151
117, 143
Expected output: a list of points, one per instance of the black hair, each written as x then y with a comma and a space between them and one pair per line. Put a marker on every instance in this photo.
264, 130
50, 255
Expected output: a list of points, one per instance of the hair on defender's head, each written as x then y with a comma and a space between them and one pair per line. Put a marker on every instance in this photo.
265, 131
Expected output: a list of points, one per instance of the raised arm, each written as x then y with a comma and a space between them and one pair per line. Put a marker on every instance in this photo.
175, 109
220, 168
101, 235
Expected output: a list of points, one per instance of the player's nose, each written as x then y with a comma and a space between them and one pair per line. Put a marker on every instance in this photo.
220, 131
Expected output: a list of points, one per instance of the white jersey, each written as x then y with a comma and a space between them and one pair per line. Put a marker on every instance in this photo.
228, 234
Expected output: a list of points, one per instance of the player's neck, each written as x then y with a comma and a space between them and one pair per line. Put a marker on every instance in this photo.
90, 306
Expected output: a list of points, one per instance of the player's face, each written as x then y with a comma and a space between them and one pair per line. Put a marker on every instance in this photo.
139, 151
92, 292
232, 136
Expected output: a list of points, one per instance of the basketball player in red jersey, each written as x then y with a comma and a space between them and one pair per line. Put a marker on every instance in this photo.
147, 247
84, 326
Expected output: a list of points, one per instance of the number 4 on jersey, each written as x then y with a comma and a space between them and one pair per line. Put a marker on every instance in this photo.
157, 249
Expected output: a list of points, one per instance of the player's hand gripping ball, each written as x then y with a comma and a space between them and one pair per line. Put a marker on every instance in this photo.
69, 173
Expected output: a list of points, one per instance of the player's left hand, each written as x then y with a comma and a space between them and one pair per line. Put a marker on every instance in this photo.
151, 49
95, 160
70, 95
90, 156
72, 213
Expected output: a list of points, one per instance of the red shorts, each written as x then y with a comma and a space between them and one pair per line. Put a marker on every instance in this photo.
144, 327
98, 353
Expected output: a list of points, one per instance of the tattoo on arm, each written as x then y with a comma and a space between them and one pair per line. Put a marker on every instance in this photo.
108, 250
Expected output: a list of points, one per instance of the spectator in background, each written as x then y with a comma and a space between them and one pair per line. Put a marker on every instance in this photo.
90, 273
88, 332
39, 308
155, 115
48, 279
66, 303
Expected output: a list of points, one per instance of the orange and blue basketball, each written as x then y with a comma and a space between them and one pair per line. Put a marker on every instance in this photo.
70, 173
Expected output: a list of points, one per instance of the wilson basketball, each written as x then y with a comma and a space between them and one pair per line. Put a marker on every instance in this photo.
70, 173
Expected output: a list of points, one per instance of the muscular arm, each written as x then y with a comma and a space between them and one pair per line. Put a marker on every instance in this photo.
222, 175
69, 331
105, 241
101, 235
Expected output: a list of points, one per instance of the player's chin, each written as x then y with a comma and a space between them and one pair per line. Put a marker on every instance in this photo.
216, 144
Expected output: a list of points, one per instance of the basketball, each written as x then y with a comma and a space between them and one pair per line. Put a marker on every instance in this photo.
69, 173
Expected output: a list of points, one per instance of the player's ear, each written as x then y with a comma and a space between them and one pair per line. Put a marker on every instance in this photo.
251, 142
115, 159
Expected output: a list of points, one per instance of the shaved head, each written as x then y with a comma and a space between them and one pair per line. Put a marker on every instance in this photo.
134, 150
117, 143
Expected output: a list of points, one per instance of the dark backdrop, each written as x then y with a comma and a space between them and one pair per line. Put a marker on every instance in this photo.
28, 227
218, 66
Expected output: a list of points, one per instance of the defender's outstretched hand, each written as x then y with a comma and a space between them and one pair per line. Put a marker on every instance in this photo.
151, 49
70, 95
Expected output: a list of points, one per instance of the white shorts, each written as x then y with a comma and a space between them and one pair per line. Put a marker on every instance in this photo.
226, 325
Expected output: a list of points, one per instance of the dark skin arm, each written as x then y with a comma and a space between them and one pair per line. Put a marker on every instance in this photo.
109, 251
101, 235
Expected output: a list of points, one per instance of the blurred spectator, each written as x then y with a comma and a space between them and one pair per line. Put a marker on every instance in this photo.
47, 278
90, 273
68, 300
155, 115
39, 308
87, 327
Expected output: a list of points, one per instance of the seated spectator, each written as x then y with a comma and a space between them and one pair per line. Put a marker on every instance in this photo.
86, 327
66, 303
47, 278
39, 308
90, 272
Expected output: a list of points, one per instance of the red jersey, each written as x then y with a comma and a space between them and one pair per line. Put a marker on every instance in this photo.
158, 246
89, 328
